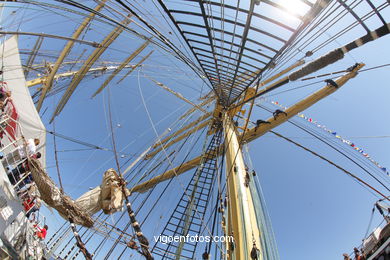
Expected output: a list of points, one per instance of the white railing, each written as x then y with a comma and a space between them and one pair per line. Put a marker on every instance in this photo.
34, 245
21, 233
10, 152
16, 228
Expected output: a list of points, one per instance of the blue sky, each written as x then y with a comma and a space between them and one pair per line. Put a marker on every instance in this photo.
316, 210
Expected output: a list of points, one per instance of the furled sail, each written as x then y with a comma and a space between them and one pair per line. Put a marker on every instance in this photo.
107, 197
24, 120
53, 196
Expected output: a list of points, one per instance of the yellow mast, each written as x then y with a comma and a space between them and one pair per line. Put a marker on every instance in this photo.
181, 130
108, 40
42, 80
255, 132
240, 220
49, 79
241, 217
122, 66
180, 96
136, 66
179, 138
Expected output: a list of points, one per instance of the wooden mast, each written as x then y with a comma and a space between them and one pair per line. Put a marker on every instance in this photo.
108, 40
241, 217
122, 66
256, 132
49, 79
42, 80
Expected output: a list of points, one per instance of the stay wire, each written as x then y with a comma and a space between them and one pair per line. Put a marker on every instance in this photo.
218, 199
137, 195
353, 154
56, 158
112, 131
313, 37
120, 236
159, 196
370, 221
183, 161
348, 28
164, 151
77, 141
332, 163
143, 203
333, 147
294, 49
323, 75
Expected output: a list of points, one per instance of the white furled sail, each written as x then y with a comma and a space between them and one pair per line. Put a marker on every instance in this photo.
107, 197
29, 121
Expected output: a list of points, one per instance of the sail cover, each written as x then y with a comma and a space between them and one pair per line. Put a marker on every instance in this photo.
30, 124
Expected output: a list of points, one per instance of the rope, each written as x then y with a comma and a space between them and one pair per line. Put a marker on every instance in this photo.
332, 163
334, 148
75, 244
141, 238
159, 196
56, 158
129, 223
112, 130
80, 243
369, 222
170, 181
77, 141
164, 150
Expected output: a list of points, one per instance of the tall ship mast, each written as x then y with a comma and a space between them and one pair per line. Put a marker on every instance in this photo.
159, 129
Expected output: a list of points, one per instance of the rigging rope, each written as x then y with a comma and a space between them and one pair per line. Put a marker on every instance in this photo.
141, 238
100, 246
369, 222
218, 199
333, 147
77, 141
170, 181
327, 26
164, 150
321, 81
80, 243
56, 158
334, 134
332, 163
